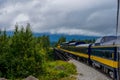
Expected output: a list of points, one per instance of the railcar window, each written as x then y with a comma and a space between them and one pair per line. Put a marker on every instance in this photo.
103, 52
79, 50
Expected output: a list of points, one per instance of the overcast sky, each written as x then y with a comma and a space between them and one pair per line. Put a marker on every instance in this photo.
81, 17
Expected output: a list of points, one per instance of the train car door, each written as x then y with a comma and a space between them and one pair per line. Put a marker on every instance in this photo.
118, 51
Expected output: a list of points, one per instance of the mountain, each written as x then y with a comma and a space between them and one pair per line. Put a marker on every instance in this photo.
55, 37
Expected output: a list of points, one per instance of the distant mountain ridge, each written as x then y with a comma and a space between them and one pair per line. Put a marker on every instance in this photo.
55, 37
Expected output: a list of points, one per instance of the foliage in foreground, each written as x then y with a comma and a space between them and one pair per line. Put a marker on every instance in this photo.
23, 54
58, 70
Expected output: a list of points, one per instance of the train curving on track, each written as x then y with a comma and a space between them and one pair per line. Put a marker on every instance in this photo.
103, 54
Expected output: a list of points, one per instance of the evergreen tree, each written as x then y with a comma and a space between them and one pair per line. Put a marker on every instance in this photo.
23, 54
61, 39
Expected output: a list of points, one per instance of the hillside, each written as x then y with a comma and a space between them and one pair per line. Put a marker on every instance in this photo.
55, 37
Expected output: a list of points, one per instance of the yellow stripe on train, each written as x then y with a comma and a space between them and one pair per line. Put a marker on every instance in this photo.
110, 63
76, 53
107, 62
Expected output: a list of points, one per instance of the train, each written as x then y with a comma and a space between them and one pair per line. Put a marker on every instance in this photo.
104, 54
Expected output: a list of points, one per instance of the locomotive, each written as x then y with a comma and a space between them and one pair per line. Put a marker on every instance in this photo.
104, 54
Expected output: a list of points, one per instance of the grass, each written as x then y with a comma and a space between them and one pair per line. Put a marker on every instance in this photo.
73, 77
59, 70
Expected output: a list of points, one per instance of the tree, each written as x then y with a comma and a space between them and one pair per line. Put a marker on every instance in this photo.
61, 39
23, 54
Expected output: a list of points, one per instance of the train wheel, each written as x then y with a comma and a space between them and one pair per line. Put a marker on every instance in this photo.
93, 65
78, 58
111, 74
88, 62
105, 70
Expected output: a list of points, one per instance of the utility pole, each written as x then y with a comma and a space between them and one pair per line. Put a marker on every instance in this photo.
117, 24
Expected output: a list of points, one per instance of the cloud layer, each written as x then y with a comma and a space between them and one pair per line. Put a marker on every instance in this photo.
82, 17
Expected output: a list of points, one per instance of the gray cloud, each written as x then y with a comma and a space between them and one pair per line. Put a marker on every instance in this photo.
83, 17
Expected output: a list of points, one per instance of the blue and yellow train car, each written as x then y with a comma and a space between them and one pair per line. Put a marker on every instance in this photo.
107, 59
104, 57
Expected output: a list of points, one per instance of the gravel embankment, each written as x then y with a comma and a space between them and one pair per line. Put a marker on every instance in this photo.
88, 73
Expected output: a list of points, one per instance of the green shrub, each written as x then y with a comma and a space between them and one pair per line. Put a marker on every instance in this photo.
57, 70
23, 54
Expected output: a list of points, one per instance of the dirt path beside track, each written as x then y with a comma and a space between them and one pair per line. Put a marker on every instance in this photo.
88, 73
